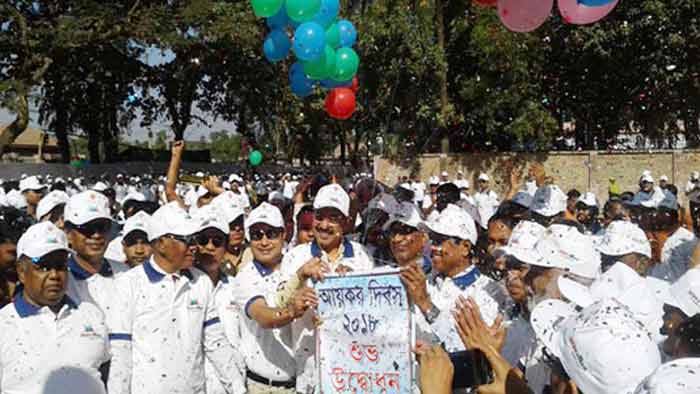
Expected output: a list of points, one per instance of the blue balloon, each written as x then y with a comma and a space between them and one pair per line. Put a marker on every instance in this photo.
594, 3
309, 41
328, 12
348, 34
276, 46
332, 84
279, 20
300, 84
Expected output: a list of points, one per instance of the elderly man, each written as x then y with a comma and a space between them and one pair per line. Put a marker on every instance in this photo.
406, 241
50, 343
168, 321
51, 208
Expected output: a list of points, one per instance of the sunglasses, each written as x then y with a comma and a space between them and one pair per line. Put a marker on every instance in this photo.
270, 233
334, 218
48, 264
439, 239
204, 239
401, 229
513, 264
91, 228
187, 240
135, 238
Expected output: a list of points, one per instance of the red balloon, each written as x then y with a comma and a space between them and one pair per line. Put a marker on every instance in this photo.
340, 103
355, 84
486, 3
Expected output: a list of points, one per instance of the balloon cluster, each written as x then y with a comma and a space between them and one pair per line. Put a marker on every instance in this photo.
322, 45
528, 15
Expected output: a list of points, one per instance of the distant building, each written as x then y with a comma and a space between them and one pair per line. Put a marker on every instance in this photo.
26, 147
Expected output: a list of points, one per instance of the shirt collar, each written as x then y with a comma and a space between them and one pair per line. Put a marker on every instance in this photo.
80, 273
262, 269
25, 309
156, 274
348, 251
465, 279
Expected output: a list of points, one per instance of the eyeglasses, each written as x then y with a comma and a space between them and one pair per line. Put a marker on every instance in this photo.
204, 239
401, 229
334, 218
187, 240
270, 233
48, 264
513, 264
439, 239
91, 228
135, 238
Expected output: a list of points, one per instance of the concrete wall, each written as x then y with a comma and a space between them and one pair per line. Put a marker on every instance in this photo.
585, 171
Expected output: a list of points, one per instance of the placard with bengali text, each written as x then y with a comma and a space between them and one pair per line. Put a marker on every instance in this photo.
364, 343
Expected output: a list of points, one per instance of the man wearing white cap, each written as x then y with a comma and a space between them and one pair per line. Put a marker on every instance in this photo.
418, 188
50, 343
625, 242
587, 213
51, 207
134, 241
87, 225
429, 200
231, 207
406, 240
452, 236
663, 182
603, 349
548, 204
444, 177
681, 302
374, 218
486, 199
168, 320
265, 326
32, 190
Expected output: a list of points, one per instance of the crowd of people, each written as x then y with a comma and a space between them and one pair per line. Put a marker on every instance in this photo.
204, 284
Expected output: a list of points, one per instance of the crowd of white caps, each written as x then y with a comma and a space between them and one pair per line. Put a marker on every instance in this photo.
603, 310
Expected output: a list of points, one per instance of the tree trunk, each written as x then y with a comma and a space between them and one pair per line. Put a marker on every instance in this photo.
17, 126
442, 67
341, 140
109, 142
61, 130
94, 143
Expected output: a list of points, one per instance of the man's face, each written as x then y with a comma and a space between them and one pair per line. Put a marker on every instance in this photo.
136, 248
211, 248
515, 280
663, 184
499, 234
45, 281
177, 250
448, 254
571, 204
483, 186
375, 221
673, 317
34, 196
406, 243
541, 283
90, 239
647, 187
236, 234
266, 243
583, 214
328, 227
8, 255
637, 262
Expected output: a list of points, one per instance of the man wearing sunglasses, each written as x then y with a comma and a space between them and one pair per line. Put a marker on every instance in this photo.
406, 241
265, 327
237, 252
87, 225
168, 320
49, 341
134, 242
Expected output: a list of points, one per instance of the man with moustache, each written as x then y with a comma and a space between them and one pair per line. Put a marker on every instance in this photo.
48, 342
167, 319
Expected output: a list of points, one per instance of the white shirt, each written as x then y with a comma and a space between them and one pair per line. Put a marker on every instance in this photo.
303, 330
677, 251
267, 352
42, 352
290, 188
486, 204
229, 314
167, 323
98, 288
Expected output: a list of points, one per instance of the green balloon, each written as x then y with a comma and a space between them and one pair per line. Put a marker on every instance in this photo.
323, 68
255, 158
333, 36
266, 8
302, 10
346, 64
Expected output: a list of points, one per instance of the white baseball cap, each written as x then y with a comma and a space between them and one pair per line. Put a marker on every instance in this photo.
484, 177
171, 219
229, 205
589, 199
523, 198
40, 240
434, 180
681, 376
623, 237
523, 239
384, 202
15, 199
604, 348
406, 213
209, 217
140, 221
135, 196
444, 173
684, 294
663, 178
100, 186
30, 183
564, 247
265, 213
453, 221
85, 207
647, 178
50, 201
548, 201
235, 178
333, 196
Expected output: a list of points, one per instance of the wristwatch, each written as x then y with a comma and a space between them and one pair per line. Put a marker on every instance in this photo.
432, 314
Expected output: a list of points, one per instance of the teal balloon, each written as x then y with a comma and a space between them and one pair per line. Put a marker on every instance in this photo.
309, 41
255, 158
276, 45
348, 33
322, 68
346, 64
266, 8
302, 10
333, 36
328, 12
